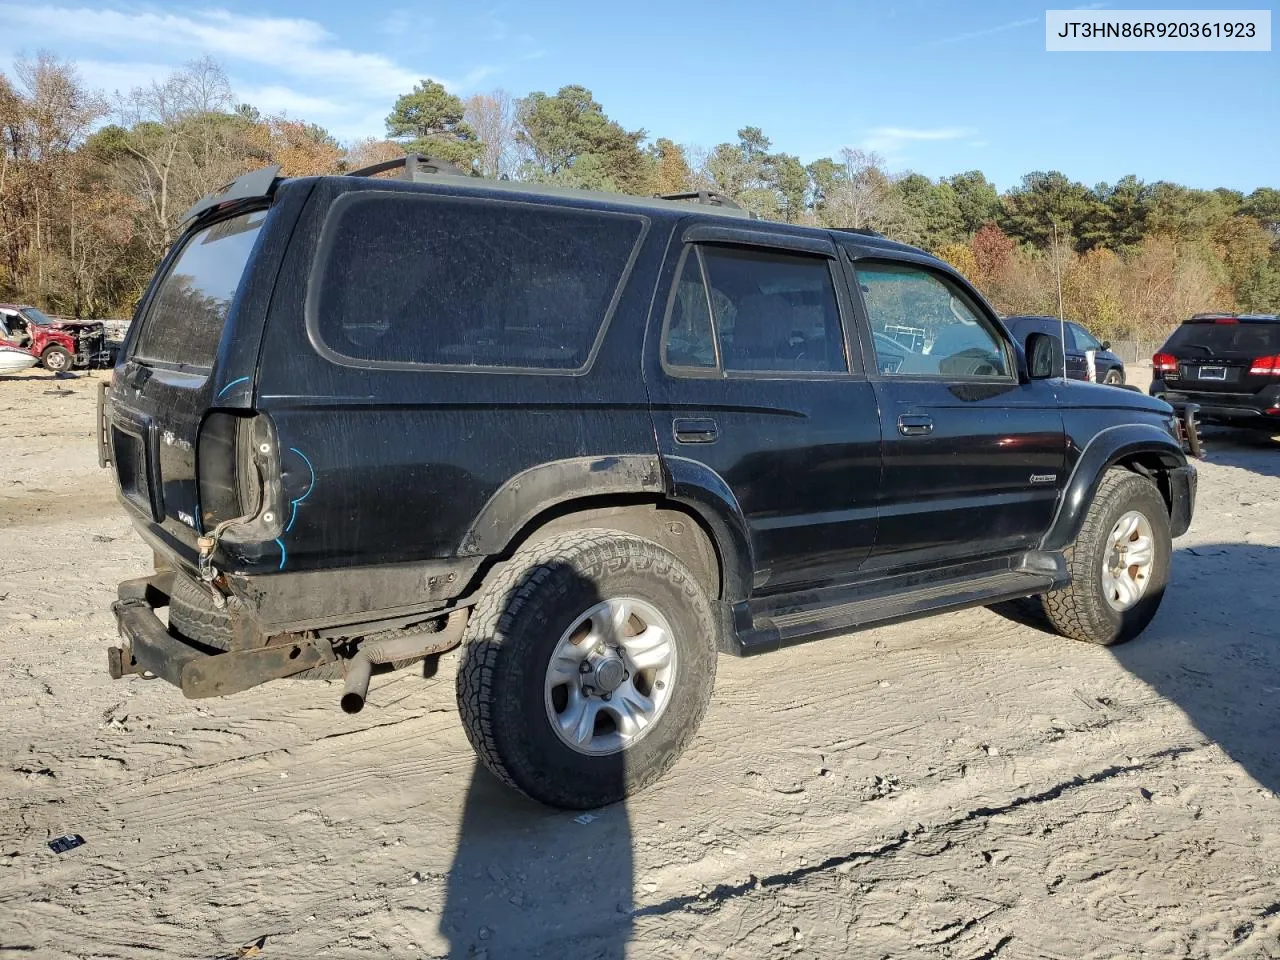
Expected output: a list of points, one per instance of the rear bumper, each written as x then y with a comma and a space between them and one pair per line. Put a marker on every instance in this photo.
1252, 409
148, 648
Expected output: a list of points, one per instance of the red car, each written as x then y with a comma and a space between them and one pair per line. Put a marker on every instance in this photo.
60, 344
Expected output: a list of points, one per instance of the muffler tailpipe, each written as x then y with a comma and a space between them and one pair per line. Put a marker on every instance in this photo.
410, 646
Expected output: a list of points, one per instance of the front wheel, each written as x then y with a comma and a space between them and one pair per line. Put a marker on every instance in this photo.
56, 358
1119, 564
586, 668
1114, 377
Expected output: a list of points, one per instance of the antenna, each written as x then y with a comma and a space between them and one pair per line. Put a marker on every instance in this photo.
1062, 323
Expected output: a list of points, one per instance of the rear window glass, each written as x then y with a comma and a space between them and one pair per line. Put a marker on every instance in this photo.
460, 282
1225, 339
185, 321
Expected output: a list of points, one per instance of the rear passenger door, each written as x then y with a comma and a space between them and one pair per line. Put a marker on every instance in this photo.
754, 387
973, 456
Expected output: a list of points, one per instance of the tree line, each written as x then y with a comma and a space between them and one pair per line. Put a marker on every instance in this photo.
92, 189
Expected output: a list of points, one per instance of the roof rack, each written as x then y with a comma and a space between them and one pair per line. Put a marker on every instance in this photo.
412, 163
701, 196
865, 231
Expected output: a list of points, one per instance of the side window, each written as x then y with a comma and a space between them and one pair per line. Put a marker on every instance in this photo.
1083, 338
438, 280
690, 340
774, 312
922, 326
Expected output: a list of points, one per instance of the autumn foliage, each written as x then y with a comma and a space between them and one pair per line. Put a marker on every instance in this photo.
92, 190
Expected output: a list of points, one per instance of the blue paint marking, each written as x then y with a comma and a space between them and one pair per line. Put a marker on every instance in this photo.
229, 386
284, 555
293, 515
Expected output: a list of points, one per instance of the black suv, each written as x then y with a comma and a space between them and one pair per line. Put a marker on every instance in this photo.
1226, 364
1080, 343
594, 439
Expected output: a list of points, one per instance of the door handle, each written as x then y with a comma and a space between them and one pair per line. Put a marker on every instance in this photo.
695, 430
915, 425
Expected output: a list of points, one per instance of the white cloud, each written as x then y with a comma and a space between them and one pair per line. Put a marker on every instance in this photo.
280, 63
273, 99
302, 48
890, 140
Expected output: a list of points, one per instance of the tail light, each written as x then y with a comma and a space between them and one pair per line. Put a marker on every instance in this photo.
1164, 363
1266, 367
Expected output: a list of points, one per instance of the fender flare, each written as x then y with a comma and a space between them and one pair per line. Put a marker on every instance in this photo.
701, 490
515, 504
1104, 450
690, 485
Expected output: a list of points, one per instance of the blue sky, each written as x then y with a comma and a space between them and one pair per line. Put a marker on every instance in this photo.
934, 86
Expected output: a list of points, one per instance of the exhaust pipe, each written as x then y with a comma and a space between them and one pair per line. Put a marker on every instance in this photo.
407, 647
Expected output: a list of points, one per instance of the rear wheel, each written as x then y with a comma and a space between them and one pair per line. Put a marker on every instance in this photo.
56, 358
1119, 564
587, 667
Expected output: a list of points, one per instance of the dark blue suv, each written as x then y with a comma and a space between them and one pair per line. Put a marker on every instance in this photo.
1107, 367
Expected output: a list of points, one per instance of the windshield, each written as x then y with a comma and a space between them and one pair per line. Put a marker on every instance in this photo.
37, 317
1246, 340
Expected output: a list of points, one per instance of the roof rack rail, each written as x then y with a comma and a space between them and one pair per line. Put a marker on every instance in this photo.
865, 231
412, 163
701, 196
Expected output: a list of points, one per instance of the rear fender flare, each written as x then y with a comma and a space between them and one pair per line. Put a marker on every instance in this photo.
532, 492
1107, 448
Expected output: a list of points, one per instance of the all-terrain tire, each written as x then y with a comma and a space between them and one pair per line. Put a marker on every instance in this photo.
56, 358
1081, 610
518, 624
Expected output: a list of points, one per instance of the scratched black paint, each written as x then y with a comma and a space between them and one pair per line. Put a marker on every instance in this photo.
410, 477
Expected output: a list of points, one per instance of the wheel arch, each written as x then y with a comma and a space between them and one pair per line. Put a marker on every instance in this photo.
1140, 447
689, 511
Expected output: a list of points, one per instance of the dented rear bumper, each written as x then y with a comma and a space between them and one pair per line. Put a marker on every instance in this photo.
149, 649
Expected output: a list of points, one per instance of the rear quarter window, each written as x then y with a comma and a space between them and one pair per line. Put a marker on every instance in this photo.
184, 322
404, 280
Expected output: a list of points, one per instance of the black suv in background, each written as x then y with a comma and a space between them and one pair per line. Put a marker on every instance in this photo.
1107, 367
1227, 364
594, 440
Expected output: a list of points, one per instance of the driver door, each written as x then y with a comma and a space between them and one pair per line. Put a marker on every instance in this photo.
973, 457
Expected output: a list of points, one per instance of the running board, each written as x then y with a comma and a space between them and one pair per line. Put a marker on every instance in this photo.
770, 633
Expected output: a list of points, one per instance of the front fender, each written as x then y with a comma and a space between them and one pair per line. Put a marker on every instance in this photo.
1107, 448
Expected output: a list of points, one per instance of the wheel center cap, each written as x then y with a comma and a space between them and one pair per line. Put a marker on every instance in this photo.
609, 674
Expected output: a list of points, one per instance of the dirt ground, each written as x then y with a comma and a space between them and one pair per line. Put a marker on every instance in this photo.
963, 787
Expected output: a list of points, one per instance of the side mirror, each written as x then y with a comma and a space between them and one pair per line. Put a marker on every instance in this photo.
1106, 344
1044, 357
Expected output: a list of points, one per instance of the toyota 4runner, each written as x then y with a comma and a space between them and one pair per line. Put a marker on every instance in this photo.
593, 440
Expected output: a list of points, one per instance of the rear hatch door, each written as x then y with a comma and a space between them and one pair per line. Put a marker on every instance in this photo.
1215, 356
191, 349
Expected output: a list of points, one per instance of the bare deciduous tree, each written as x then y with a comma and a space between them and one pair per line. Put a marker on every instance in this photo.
493, 118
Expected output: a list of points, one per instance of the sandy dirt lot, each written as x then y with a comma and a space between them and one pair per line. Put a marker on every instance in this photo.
964, 786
